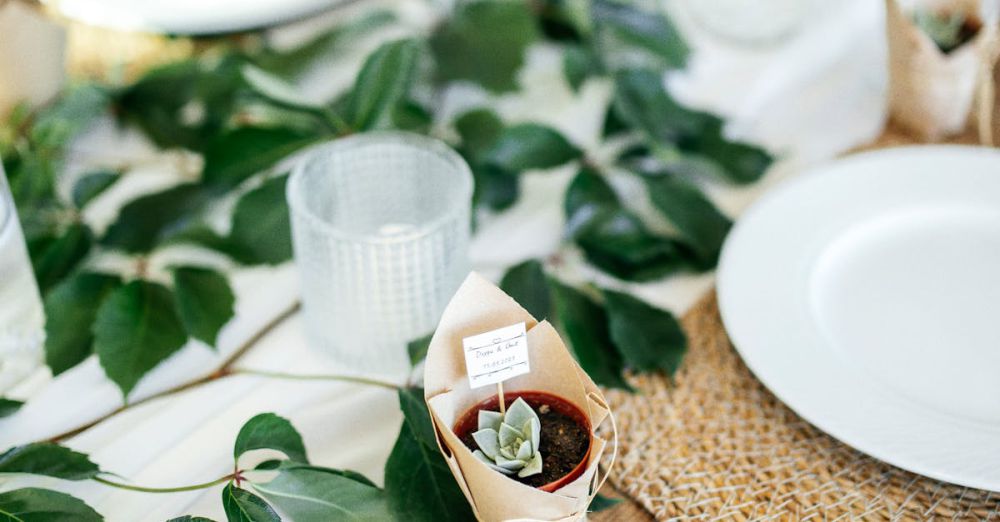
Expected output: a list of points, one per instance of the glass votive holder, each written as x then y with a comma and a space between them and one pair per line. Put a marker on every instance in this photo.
380, 228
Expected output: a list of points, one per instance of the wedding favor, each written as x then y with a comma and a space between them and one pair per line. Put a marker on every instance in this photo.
938, 50
537, 456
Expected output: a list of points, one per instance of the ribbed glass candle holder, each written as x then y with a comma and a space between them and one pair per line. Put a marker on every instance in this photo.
380, 226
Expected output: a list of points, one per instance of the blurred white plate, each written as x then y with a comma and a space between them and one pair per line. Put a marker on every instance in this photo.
866, 296
189, 17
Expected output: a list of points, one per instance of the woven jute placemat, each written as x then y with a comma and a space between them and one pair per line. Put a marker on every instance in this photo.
717, 445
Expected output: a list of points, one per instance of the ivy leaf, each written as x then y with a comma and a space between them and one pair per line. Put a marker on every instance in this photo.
586, 194
190, 518
269, 431
484, 42
530, 146
204, 302
62, 255
600, 503
261, 230
527, 284
49, 459
148, 220
382, 83
418, 482
91, 185
648, 338
136, 328
585, 323
70, 310
240, 153
417, 349
410, 116
703, 227
44, 505
308, 493
9, 407
641, 101
243, 506
628, 34
479, 129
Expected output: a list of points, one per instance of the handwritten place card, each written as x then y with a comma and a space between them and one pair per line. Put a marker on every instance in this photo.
497, 355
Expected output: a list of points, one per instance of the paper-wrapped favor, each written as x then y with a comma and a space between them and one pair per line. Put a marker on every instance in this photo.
931, 93
478, 307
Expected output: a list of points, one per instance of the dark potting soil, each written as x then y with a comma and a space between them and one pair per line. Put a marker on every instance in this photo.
563, 445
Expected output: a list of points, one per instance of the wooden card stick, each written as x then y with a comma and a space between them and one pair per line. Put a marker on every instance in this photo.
503, 404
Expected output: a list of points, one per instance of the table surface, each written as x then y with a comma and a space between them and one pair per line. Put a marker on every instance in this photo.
821, 90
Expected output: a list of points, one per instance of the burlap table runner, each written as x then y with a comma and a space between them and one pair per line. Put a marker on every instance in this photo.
717, 445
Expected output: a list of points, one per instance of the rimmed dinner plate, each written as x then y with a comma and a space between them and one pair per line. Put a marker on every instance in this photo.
865, 294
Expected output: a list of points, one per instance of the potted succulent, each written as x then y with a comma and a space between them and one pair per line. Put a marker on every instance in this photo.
938, 52
543, 449
541, 440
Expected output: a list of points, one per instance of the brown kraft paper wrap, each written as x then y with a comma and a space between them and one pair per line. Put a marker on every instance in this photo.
479, 306
931, 93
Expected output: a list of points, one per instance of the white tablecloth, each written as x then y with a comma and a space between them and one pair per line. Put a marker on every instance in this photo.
809, 98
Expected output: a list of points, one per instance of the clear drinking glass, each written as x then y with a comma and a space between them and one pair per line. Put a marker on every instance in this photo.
21, 315
380, 225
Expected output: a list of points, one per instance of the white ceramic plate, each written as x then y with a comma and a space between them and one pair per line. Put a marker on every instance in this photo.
866, 296
188, 16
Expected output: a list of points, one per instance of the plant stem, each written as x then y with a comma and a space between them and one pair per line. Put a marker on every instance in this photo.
318, 377
179, 489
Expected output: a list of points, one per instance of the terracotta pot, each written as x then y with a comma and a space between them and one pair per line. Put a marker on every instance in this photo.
469, 422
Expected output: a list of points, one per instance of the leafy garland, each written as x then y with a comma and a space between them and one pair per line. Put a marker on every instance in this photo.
243, 101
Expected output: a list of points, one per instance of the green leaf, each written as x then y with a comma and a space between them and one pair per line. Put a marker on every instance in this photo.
346, 473
415, 413
62, 255
527, 284
136, 329
185, 103
484, 42
44, 505
612, 238
629, 34
703, 227
190, 518
617, 242
578, 65
299, 59
419, 484
479, 130
417, 349
70, 310
240, 153
49, 459
204, 302
70, 114
585, 323
649, 338
494, 188
310, 494
410, 116
243, 506
641, 102
530, 146
740, 162
600, 503
148, 220
382, 84
9, 407
91, 185
261, 226
269, 431
277, 90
